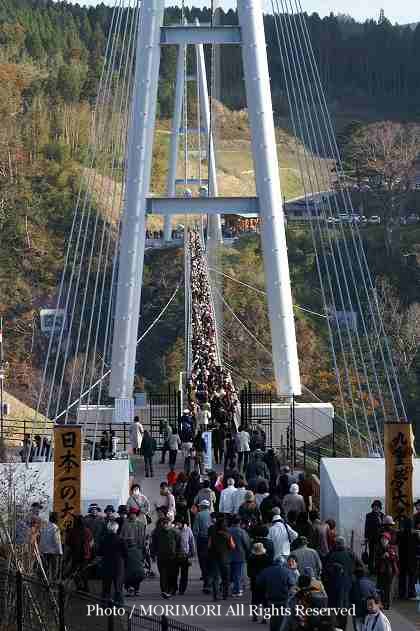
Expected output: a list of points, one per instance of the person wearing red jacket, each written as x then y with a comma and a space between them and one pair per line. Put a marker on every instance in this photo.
387, 567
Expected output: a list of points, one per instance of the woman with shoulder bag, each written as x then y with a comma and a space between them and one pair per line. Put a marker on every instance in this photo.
139, 501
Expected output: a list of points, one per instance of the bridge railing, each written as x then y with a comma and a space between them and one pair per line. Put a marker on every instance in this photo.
15, 430
309, 456
29, 603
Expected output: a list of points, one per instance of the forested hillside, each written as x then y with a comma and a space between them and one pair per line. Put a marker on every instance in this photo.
359, 62
51, 56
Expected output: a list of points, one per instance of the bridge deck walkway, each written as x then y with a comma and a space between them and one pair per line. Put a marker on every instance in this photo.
403, 617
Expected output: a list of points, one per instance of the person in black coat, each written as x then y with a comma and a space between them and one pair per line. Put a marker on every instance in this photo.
267, 505
258, 561
218, 440
373, 525
286, 479
148, 449
362, 588
114, 559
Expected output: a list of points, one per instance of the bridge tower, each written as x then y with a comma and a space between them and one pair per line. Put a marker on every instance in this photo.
268, 202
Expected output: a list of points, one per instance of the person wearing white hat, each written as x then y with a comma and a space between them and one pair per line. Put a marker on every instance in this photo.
282, 535
293, 501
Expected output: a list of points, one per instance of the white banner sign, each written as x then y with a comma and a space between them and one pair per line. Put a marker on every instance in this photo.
208, 456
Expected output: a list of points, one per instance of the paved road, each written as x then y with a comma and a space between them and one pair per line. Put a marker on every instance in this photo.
230, 619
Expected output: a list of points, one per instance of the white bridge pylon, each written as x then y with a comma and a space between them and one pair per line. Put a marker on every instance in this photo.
268, 203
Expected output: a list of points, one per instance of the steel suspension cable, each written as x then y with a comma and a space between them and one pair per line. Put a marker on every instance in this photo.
140, 339
102, 83
262, 292
298, 132
116, 204
319, 134
78, 257
88, 202
268, 352
114, 155
299, 69
356, 237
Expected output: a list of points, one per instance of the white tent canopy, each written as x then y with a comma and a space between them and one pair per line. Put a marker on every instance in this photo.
348, 488
103, 481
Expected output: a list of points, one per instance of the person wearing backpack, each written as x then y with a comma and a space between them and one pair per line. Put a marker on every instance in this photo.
338, 578
206, 493
186, 434
166, 549
238, 555
282, 535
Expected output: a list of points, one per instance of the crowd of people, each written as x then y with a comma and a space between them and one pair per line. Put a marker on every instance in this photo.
261, 536
393, 553
240, 225
253, 525
157, 235
37, 449
211, 391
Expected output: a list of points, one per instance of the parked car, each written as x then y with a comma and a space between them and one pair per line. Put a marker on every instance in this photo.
412, 219
374, 220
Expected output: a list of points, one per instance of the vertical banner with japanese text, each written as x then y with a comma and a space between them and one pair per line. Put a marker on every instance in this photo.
207, 456
67, 473
399, 465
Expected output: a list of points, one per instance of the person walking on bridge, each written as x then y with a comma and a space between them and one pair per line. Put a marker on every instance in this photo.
226, 503
293, 501
281, 534
166, 431
148, 448
238, 555
136, 432
174, 443
187, 552
202, 523
243, 448
221, 545
139, 501
373, 524
166, 548
114, 559
218, 436
307, 557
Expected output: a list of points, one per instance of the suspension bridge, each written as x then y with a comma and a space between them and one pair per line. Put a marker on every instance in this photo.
93, 353
95, 333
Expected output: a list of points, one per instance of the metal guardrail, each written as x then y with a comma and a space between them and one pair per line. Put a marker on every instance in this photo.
15, 431
28, 603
